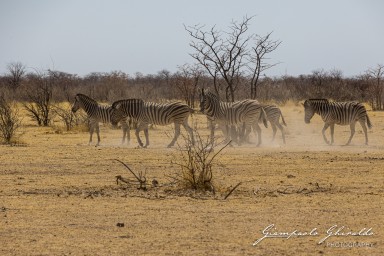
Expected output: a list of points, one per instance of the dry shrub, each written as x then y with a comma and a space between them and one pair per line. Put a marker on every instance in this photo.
197, 161
70, 120
9, 120
78, 122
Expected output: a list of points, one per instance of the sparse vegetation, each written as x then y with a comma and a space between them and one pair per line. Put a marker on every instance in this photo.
9, 120
39, 98
197, 161
39, 91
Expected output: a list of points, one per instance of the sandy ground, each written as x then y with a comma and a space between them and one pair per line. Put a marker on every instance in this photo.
59, 196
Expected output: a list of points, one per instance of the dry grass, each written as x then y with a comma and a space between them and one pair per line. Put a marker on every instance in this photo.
59, 196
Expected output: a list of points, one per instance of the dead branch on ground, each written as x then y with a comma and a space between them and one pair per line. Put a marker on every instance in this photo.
140, 177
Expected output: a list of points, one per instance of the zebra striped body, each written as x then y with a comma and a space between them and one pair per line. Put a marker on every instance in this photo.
232, 115
273, 116
146, 113
99, 113
341, 113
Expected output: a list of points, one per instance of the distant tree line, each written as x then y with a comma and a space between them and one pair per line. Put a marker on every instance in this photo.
46, 87
47, 95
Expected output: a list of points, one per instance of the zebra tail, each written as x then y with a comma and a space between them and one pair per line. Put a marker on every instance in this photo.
369, 122
282, 119
263, 117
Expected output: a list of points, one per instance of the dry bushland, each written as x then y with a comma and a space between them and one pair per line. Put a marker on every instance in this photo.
59, 196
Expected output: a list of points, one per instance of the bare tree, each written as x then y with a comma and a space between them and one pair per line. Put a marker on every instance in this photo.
229, 55
39, 95
223, 57
257, 59
377, 74
16, 74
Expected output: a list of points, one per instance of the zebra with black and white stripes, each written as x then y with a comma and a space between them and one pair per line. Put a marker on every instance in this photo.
230, 115
99, 113
145, 113
341, 113
274, 114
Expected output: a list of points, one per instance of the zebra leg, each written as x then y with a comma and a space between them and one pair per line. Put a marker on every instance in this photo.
127, 132
98, 134
91, 128
274, 129
326, 125
124, 126
189, 130
257, 130
332, 127
146, 136
244, 132
137, 133
352, 125
226, 129
235, 134
365, 131
177, 134
282, 131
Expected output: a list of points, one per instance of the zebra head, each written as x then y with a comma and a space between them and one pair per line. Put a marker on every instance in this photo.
116, 116
309, 111
207, 101
77, 104
116, 112
313, 106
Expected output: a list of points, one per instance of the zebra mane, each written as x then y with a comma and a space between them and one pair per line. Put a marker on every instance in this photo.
86, 98
320, 100
114, 104
316, 101
211, 94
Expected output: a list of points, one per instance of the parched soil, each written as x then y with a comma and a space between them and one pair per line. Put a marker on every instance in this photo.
59, 196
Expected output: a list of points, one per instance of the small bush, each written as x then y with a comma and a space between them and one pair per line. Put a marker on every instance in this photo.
197, 161
9, 120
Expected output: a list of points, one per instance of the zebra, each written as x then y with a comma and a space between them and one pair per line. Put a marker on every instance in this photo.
99, 113
341, 113
146, 113
231, 115
273, 116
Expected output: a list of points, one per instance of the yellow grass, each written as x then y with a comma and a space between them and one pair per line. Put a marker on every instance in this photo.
58, 196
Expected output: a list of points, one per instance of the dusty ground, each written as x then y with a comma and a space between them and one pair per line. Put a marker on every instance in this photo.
58, 196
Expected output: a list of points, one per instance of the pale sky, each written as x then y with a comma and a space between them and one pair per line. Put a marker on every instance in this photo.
84, 36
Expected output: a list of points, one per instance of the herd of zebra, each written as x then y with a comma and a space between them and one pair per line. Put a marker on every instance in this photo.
236, 119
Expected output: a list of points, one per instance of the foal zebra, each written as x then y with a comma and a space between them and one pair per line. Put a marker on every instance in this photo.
341, 113
243, 113
99, 113
273, 116
146, 113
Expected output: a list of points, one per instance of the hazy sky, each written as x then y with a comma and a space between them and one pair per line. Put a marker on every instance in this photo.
84, 36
